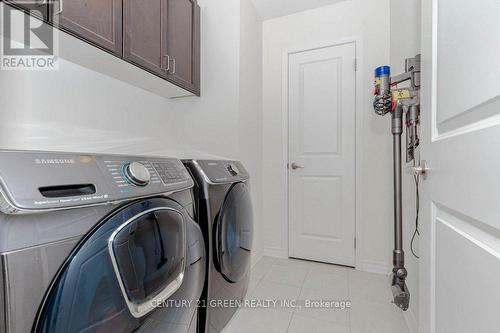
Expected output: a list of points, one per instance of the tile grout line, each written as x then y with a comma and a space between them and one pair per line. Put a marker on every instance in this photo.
300, 293
350, 298
249, 292
285, 283
309, 272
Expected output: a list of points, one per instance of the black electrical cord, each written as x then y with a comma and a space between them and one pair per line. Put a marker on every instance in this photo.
417, 206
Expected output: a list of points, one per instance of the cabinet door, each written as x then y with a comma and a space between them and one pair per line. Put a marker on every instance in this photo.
144, 30
98, 21
37, 8
183, 43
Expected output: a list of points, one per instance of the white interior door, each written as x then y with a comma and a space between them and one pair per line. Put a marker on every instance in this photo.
321, 110
460, 248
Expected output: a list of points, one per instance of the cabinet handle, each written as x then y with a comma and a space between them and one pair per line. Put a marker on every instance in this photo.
173, 71
61, 5
168, 63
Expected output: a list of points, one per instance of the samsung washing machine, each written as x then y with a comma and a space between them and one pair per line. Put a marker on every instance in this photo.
97, 243
224, 212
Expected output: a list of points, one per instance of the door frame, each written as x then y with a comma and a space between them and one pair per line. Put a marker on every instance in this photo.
357, 41
427, 241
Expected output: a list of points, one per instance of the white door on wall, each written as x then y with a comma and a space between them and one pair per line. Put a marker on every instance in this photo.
321, 108
460, 244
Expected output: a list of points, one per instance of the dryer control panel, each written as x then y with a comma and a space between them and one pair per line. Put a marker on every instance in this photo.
222, 171
32, 181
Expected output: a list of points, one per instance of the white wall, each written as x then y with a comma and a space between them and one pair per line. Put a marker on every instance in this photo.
269, 9
368, 22
405, 43
250, 109
76, 109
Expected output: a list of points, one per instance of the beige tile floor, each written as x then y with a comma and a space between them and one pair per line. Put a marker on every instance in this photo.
371, 309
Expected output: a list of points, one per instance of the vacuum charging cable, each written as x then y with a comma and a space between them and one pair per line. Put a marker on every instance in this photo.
417, 210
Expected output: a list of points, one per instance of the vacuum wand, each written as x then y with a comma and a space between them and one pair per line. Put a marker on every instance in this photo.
399, 102
399, 289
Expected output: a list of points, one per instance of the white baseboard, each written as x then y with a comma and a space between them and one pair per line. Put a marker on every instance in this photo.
275, 252
411, 320
372, 266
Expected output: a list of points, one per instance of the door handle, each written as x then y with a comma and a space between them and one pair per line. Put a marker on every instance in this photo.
420, 170
295, 166
173, 62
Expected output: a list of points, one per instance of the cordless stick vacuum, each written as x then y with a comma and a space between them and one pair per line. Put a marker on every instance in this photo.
398, 102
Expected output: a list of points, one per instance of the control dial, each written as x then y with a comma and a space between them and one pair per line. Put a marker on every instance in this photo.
137, 174
233, 169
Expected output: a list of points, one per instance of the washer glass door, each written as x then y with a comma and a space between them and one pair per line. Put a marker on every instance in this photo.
234, 233
124, 268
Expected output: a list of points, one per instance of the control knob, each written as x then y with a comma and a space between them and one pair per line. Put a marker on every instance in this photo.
233, 169
137, 174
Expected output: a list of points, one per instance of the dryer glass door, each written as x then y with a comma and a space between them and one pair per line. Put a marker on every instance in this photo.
234, 233
119, 272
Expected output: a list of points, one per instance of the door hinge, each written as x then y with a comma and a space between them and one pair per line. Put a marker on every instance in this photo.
355, 64
354, 242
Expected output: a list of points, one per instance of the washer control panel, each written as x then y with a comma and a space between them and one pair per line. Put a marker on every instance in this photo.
168, 172
31, 180
137, 174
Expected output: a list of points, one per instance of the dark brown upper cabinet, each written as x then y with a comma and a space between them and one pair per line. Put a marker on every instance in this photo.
182, 41
163, 37
144, 28
97, 21
160, 36
37, 8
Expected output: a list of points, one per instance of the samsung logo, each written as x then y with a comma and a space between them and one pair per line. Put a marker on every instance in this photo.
54, 161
